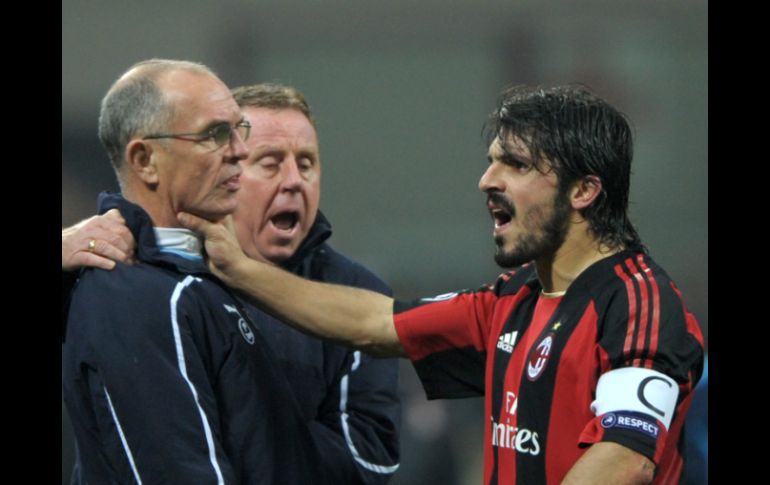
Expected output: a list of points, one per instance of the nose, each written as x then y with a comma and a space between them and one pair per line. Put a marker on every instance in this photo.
291, 178
491, 180
237, 148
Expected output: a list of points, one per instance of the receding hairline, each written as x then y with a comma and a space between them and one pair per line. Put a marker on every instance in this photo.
139, 103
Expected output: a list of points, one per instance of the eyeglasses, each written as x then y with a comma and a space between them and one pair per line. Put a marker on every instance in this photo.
222, 134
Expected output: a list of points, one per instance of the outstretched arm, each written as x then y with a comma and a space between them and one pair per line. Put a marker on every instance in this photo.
98, 241
353, 316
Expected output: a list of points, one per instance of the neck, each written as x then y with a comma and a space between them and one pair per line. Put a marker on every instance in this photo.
580, 250
161, 211
555, 294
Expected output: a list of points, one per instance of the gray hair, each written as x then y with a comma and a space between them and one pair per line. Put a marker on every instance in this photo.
135, 105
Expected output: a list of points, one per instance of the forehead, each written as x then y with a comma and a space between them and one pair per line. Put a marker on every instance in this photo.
269, 123
511, 144
199, 98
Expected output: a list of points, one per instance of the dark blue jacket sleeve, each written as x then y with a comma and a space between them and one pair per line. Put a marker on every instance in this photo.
68, 279
357, 428
136, 385
359, 420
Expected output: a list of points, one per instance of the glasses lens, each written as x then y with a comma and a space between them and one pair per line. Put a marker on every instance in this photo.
222, 134
244, 128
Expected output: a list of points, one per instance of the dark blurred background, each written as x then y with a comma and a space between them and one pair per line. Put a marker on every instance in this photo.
400, 90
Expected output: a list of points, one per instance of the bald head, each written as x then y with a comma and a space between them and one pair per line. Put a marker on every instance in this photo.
136, 104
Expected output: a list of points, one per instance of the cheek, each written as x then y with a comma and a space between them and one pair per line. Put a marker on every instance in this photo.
254, 198
538, 213
204, 175
203, 169
252, 187
312, 199
532, 197
314, 194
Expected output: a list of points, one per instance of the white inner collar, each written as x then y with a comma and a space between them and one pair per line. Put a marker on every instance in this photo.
178, 240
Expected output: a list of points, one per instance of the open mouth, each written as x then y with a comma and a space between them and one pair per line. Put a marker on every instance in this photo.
500, 209
285, 221
500, 216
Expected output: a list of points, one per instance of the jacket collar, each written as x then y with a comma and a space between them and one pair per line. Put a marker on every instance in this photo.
140, 225
319, 233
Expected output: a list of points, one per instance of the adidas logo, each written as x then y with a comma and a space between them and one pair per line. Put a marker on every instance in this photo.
506, 341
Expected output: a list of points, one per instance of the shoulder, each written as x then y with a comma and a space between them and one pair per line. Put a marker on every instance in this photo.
636, 285
513, 281
135, 298
124, 283
644, 321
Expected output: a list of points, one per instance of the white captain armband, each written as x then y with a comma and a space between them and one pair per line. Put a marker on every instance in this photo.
632, 390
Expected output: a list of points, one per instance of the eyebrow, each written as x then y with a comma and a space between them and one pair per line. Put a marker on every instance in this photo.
509, 158
215, 123
268, 149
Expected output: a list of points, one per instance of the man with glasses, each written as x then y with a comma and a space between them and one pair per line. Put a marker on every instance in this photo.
165, 374
220, 134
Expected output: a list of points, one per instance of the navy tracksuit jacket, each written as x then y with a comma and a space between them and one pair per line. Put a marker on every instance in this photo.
168, 378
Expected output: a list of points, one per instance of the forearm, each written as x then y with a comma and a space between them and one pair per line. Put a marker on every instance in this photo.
353, 316
608, 463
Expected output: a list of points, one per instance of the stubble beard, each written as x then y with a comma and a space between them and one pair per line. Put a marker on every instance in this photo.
542, 241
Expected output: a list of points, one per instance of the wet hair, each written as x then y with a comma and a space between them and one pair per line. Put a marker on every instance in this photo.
272, 96
136, 105
575, 133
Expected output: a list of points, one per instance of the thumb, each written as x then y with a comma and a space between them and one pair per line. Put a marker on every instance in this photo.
115, 214
228, 224
194, 223
220, 233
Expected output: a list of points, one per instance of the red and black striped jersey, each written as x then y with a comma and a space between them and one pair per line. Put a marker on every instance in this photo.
538, 362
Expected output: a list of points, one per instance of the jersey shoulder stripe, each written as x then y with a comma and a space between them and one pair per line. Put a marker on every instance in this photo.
513, 281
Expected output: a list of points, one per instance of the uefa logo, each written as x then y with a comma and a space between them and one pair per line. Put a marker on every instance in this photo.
609, 420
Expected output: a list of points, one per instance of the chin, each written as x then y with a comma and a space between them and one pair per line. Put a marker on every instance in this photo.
277, 256
212, 216
219, 212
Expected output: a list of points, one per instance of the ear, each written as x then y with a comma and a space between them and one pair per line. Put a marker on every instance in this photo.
141, 160
585, 191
